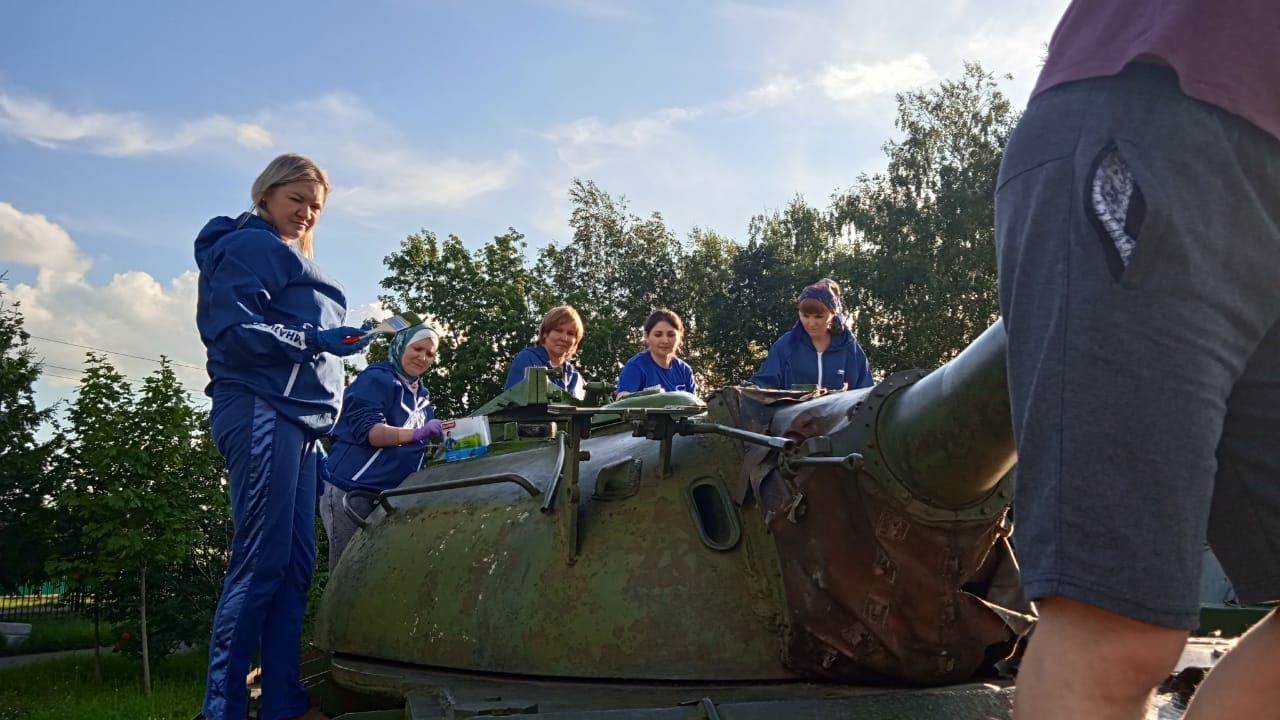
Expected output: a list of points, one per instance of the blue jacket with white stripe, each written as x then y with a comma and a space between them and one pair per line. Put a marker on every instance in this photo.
377, 395
793, 360
259, 306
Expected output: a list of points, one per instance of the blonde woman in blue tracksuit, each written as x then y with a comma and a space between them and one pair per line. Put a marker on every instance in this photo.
271, 321
819, 350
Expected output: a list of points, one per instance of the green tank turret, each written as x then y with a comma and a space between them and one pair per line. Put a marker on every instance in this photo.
744, 553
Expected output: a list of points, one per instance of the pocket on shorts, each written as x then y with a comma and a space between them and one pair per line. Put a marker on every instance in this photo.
1118, 203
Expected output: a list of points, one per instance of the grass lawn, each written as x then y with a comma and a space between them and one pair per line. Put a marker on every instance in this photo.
64, 689
62, 633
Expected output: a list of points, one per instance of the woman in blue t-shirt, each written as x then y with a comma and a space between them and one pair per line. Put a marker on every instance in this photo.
819, 350
658, 367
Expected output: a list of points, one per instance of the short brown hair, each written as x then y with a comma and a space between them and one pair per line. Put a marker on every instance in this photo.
663, 315
558, 316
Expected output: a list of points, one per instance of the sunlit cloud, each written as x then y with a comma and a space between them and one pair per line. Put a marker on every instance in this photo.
579, 142
400, 179
773, 93
375, 168
32, 239
854, 81
132, 314
118, 134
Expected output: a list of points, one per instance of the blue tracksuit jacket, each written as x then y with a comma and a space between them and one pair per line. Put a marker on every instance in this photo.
535, 356
794, 361
377, 395
259, 306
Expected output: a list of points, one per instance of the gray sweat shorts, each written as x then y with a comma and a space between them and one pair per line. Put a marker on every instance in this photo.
1138, 236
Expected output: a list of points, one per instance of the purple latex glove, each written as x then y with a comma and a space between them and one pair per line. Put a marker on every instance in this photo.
433, 430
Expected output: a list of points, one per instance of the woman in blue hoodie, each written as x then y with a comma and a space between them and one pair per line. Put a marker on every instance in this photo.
271, 322
558, 336
819, 350
381, 437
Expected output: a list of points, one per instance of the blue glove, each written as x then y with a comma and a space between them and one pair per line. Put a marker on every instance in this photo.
432, 430
331, 340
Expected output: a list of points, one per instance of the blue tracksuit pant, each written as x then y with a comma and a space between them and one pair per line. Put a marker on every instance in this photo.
272, 466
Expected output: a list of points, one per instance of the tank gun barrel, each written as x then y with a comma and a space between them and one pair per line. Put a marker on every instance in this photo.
948, 437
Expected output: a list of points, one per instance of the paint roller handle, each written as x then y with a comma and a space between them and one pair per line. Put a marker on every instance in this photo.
365, 331
353, 339
338, 341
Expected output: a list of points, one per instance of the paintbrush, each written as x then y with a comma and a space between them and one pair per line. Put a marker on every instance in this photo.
393, 324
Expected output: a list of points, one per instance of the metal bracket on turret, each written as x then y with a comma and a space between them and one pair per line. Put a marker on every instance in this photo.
815, 451
565, 496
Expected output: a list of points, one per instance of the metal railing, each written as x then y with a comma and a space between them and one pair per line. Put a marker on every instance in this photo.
52, 599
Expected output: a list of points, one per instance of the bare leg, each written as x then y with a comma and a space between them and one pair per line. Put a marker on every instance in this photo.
1086, 662
1243, 684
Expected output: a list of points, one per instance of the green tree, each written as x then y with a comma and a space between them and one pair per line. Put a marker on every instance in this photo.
25, 483
712, 346
785, 251
97, 459
144, 483
617, 268
481, 303
922, 265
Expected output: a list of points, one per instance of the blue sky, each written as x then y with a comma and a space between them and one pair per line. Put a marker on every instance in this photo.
124, 126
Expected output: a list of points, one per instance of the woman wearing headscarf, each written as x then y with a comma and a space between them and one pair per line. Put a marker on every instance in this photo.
381, 437
271, 321
819, 350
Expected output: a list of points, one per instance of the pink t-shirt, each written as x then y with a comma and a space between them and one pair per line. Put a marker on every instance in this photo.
1226, 52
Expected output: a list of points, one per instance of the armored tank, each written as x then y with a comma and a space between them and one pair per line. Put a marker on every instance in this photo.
759, 554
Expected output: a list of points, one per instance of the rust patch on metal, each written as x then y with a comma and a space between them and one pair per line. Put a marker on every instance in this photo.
874, 594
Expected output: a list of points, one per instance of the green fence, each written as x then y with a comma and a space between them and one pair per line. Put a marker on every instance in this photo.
46, 600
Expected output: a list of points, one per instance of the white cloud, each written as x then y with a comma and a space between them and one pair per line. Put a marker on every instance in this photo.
402, 179
854, 81
133, 314
586, 143
580, 142
370, 310
774, 93
1018, 47
254, 137
32, 239
374, 167
118, 134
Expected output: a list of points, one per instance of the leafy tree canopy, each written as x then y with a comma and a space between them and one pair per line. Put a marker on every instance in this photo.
912, 246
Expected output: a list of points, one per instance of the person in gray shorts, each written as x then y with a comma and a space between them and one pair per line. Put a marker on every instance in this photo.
1138, 238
